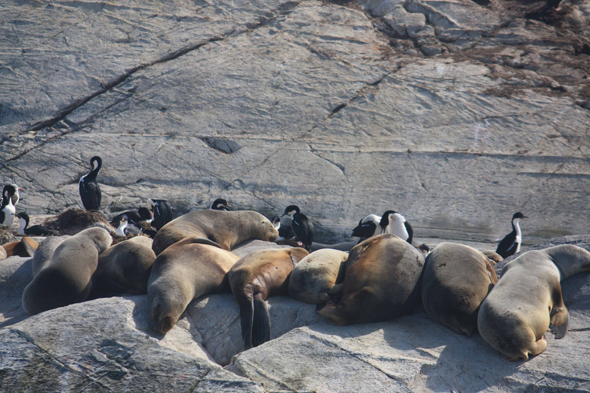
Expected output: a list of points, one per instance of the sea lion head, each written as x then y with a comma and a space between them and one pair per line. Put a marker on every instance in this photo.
101, 238
164, 310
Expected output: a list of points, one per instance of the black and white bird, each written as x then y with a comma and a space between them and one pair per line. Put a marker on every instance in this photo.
35, 230
389, 222
511, 243
162, 212
220, 204
122, 230
368, 227
16, 196
301, 225
134, 216
395, 223
89, 189
7, 210
276, 222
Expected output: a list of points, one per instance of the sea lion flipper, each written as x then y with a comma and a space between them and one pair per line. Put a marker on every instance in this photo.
261, 322
560, 316
246, 319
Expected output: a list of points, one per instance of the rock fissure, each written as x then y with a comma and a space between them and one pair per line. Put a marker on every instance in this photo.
56, 359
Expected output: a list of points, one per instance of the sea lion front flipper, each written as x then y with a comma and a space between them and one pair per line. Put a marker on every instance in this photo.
562, 317
261, 323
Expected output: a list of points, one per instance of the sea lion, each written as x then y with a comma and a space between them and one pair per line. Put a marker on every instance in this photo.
381, 282
45, 252
493, 257
527, 300
254, 278
124, 268
227, 228
315, 276
186, 270
456, 279
67, 277
24, 247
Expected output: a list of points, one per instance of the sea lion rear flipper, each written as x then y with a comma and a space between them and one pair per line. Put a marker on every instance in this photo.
261, 323
28, 248
560, 330
246, 319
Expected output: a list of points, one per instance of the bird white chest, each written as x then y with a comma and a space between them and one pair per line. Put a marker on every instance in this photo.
396, 226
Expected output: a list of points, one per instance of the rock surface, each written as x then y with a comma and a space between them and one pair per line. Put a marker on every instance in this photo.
78, 348
456, 113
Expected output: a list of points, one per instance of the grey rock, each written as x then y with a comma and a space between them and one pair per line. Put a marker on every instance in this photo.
412, 353
77, 349
326, 115
217, 319
15, 275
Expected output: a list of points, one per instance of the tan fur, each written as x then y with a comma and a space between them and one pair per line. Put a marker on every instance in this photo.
527, 299
183, 272
124, 268
25, 247
257, 276
315, 276
456, 279
381, 282
225, 228
67, 277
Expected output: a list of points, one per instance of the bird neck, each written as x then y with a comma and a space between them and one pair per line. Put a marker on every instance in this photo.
121, 230
516, 228
22, 226
398, 228
94, 172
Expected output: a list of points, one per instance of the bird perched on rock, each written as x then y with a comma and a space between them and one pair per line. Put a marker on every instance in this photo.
511, 243
35, 230
89, 189
301, 225
16, 196
220, 204
390, 222
162, 212
133, 216
368, 227
395, 223
7, 209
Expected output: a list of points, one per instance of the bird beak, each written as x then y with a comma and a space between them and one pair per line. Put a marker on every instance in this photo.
20, 189
525, 217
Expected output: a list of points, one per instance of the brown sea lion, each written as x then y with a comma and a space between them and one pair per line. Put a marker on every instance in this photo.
527, 300
315, 276
227, 228
381, 282
254, 278
124, 268
456, 279
24, 247
493, 257
45, 252
66, 279
186, 270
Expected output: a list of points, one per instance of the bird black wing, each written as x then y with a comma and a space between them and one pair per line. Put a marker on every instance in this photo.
507, 246
162, 214
364, 230
303, 229
40, 230
132, 216
90, 194
410, 232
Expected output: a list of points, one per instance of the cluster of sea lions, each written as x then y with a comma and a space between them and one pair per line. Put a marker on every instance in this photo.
382, 277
